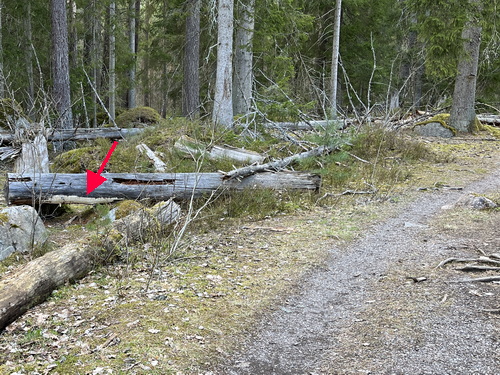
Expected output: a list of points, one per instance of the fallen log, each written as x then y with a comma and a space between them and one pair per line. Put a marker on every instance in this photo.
489, 119
34, 282
58, 188
194, 148
79, 134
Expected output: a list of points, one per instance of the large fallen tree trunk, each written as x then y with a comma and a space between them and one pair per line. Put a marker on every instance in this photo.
35, 281
79, 134
59, 188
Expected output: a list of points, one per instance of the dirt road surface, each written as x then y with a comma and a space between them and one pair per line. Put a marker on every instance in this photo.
363, 314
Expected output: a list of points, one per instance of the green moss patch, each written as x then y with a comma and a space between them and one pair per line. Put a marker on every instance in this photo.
138, 116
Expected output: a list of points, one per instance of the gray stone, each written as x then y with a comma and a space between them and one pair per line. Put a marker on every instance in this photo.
433, 129
21, 229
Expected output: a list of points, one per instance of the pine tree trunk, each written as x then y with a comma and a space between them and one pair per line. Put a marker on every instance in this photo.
462, 115
191, 86
132, 50
335, 59
60, 64
243, 59
112, 61
223, 98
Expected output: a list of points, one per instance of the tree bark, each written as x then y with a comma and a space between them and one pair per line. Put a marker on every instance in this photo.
60, 64
335, 59
191, 84
33, 283
132, 49
112, 61
462, 114
223, 97
79, 134
243, 59
71, 188
2, 79
28, 56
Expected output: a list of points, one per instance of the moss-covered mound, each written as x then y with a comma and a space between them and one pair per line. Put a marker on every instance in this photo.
10, 111
138, 117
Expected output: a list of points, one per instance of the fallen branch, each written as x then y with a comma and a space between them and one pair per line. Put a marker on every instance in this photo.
480, 279
160, 166
478, 268
277, 165
347, 192
465, 260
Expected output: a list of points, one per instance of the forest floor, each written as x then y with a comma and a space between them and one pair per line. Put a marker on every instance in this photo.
328, 290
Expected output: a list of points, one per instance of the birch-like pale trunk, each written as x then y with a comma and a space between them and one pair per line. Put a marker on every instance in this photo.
462, 114
335, 59
243, 59
223, 97
60, 64
191, 84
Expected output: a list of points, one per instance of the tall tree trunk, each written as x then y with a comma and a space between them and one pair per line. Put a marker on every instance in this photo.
191, 84
28, 56
2, 79
223, 98
132, 49
60, 64
73, 34
146, 86
462, 115
335, 59
112, 61
243, 59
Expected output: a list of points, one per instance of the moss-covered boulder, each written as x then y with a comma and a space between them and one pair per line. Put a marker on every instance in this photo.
10, 112
436, 126
138, 116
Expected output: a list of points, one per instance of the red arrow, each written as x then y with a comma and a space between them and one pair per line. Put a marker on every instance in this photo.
94, 180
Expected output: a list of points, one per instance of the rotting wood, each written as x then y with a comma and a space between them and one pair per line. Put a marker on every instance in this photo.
79, 134
195, 149
34, 282
71, 188
277, 165
160, 166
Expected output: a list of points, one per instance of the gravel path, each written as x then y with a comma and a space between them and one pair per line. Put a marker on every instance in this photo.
360, 315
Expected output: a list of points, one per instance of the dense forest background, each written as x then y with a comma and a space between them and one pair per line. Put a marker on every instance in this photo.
395, 56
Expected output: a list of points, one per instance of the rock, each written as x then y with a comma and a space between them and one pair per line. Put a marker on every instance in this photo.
476, 202
20, 230
434, 129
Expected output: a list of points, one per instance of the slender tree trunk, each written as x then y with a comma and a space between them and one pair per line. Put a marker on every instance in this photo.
335, 59
112, 61
146, 86
243, 59
60, 64
28, 56
132, 48
2, 79
73, 34
191, 84
462, 115
223, 98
